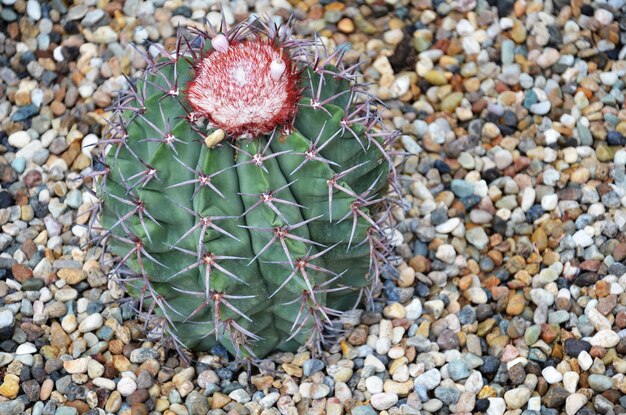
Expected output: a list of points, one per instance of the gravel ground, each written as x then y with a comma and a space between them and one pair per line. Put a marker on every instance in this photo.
508, 294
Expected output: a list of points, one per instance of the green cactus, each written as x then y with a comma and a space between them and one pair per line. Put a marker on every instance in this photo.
245, 202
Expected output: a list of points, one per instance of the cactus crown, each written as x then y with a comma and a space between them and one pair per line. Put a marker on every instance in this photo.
253, 244
246, 87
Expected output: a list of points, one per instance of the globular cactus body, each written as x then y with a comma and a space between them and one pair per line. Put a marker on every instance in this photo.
244, 190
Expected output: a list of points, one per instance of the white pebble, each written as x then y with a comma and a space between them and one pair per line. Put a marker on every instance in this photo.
551, 136
603, 16
448, 226
374, 384
605, 338
584, 360
517, 398
33, 9
528, 198
19, 139
446, 253
92, 322
549, 202
503, 159
582, 239
385, 400
570, 381
497, 406
551, 375
574, 402
104, 383
608, 78
541, 108
26, 348
371, 360
126, 386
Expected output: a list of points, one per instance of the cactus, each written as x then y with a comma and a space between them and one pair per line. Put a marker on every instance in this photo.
242, 185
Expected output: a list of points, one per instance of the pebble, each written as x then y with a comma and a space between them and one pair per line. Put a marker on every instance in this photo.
314, 390
126, 386
516, 398
551, 375
91, 323
382, 401
19, 139
574, 402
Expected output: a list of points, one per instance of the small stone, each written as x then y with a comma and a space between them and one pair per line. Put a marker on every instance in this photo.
497, 406
142, 354
126, 386
430, 379
605, 338
314, 390
384, 400
517, 398
549, 202
269, 400
551, 375
15, 407
394, 311
19, 139
446, 253
516, 305
435, 77
374, 384
584, 360
94, 369
197, 403
570, 381
503, 159
541, 108
582, 238
346, 25
77, 365
240, 395
91, 323
72, 276
477, 237
10, 386
114, 402
104, 35
26, 348
574, 402
371, 360
600, 383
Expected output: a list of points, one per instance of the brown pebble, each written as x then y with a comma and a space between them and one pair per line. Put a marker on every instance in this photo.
71, 153
516, 305
140, 395
139, 409
21, 272
346, 25
58, 337
548, 333
597, 351
219, 400
619, 253
32, 179
80, 406
57, 108
116, 346
262, 382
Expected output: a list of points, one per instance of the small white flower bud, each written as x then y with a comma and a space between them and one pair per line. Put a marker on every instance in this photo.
277, 69
220, 43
